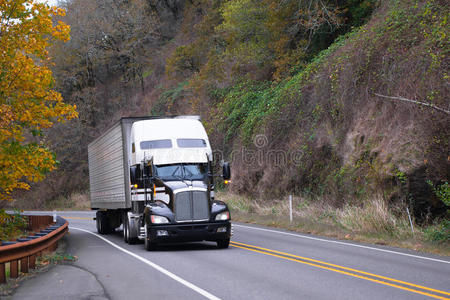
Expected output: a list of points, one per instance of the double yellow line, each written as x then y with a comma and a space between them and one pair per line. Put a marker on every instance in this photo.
414, 288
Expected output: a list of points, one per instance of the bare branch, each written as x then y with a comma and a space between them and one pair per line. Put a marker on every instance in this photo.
415, 102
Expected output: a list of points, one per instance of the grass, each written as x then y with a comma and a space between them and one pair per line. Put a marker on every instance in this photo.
372, 223
76, 201
57, 257
7, 270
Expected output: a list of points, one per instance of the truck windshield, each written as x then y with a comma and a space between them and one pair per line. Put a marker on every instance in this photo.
182, 171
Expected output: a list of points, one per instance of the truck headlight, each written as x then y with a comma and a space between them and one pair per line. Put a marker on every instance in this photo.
223, 216
159, 219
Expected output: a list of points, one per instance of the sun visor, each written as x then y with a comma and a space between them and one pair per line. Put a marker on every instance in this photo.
177, 155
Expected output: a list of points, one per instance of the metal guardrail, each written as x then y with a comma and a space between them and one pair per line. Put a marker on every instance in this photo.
26, 252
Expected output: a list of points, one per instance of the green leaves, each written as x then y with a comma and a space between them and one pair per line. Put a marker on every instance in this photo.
11, 226
441, 191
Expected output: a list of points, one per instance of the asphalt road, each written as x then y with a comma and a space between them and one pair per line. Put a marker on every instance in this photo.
261, 263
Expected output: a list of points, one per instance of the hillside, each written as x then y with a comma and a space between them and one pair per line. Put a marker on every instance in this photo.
305, 97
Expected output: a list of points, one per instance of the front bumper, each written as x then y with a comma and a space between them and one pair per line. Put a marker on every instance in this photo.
189, 232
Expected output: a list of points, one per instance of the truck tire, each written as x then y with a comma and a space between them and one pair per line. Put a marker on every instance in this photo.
125, 227
223, 244
126, 231
102, 223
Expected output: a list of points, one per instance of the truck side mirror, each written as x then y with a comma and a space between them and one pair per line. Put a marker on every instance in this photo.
226, 171
147, 170
133, 175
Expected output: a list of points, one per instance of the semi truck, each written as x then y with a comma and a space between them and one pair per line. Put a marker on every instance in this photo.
154, 177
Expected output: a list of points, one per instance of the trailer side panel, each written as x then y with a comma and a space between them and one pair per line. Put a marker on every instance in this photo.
106, 170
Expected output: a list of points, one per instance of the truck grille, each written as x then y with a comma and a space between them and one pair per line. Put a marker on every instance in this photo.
191, 206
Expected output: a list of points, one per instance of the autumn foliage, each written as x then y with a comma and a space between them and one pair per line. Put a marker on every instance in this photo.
28, 104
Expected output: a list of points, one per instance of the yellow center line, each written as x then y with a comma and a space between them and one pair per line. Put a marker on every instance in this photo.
345, 268
268, 252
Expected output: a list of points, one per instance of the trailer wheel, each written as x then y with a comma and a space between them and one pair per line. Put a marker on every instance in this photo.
102, 222
223, 244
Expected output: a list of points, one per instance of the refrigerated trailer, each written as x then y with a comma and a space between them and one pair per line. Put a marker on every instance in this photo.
154, 176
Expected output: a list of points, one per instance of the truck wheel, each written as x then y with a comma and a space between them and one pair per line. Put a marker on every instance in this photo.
127, 232
222, 244
125, 228
102, 222
97, 224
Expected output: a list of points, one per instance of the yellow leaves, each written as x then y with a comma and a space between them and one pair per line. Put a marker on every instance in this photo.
57, 11
16, 163
27, 101
6, 115
62, 31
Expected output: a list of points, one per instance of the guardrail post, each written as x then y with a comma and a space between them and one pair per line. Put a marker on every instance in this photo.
24, 265
35, 223
32, 261
13, 269
2, 273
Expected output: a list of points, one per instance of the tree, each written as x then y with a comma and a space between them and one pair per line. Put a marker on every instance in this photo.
245, 31
28, 104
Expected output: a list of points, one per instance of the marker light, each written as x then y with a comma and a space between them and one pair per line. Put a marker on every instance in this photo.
162, 233
159, 219
227, 181
223, 216
221, 229
135, 186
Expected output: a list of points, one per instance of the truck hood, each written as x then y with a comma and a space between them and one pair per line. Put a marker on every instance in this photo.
185, 184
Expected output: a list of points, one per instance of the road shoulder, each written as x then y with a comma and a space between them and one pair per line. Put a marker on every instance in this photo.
61, 282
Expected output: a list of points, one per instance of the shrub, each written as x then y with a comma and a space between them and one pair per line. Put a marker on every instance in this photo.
442, 191
439, 232
11, 226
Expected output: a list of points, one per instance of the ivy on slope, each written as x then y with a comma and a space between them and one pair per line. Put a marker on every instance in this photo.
249, 105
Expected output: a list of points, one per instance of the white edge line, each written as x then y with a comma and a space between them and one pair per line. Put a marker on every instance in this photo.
343, 243
155, 266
